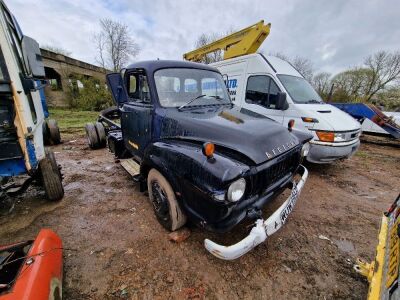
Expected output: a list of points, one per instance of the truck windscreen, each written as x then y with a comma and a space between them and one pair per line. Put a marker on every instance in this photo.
178, 87
299, 89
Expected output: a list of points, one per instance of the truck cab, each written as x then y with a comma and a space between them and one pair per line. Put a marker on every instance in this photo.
201, 157
272, 87
23, 114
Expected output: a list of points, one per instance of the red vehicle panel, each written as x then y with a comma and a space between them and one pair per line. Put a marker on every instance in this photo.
35, 274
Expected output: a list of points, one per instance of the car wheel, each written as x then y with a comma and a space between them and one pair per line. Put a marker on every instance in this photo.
91, 136
51, 177
101, 134
54, 131
165, 205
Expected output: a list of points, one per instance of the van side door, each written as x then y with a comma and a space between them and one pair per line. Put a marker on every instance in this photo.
261, 96
136, 113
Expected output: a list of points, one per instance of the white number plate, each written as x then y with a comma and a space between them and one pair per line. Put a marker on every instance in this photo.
289, 207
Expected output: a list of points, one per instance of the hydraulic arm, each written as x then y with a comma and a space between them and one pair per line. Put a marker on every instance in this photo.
243, 42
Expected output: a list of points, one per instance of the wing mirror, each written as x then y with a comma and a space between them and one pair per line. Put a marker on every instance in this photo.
282, 103
226, 80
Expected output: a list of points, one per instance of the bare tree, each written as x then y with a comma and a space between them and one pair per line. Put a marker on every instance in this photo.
205, 39
322, 83
303, 65
114, 44
351, 85
362, 84
384, 68
58, 50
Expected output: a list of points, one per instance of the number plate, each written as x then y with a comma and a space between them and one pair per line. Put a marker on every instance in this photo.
289, 207
393, 266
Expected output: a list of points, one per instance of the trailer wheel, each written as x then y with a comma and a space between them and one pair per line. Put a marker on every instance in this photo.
54, 131
91, 135
51, 177
165, 205
101, 134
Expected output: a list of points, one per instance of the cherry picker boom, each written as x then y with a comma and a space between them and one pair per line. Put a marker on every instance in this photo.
243, 42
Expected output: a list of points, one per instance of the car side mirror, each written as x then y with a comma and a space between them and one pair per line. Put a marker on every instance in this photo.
282, 103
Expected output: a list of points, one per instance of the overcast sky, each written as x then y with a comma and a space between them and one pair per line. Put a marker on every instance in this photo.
334, 34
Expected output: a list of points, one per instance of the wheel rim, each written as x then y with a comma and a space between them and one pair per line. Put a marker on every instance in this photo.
160, 201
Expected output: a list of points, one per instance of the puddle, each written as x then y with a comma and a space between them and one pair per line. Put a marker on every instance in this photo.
345, 246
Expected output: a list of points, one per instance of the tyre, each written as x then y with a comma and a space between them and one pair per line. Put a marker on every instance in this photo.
51, 156
91, 135
101, 134
46, 134
51, 177
54, 131
165, 205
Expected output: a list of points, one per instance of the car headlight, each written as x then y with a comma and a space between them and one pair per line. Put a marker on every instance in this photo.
236, 190
305, 149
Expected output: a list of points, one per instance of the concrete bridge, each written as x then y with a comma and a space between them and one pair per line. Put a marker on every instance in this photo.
62, 71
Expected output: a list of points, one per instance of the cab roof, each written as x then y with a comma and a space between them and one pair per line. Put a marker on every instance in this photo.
154, 65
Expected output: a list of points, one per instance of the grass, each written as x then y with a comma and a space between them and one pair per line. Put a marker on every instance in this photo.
361, 154
72, 121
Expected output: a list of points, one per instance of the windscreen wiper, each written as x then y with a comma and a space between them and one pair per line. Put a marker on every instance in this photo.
190, 101
314, 101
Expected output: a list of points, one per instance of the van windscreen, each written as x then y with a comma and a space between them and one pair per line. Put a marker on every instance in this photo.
299, 89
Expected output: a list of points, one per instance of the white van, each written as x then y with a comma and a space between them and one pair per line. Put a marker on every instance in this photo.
272, 87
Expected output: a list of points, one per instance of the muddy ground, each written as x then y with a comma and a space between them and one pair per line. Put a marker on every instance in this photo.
115, 248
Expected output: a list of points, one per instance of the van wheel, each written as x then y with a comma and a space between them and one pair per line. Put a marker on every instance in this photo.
91, 136
165, 205
51, 177
54, 131
101, 134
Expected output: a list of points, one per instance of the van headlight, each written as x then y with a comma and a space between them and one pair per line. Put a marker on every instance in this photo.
340, 137
236, 190
305, 149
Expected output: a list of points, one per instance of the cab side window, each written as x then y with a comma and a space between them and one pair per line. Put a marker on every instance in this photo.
262, 90
138, 88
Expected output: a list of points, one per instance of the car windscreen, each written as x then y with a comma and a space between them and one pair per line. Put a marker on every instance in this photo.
177, 87
299, 89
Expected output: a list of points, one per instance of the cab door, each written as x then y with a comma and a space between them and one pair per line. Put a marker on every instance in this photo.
136, 114
261, 96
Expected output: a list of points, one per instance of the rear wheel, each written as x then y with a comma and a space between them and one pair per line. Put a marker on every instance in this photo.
51, 177
101, 134
166, 207
91, 135
54, 131
46, 134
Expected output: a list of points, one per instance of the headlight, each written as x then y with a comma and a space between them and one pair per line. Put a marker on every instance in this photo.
305, 149
340, 137
236, 190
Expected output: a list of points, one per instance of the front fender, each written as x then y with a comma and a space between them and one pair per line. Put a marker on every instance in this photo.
194, 177
186, 160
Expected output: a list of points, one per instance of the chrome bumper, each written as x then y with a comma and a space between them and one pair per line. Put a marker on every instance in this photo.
263, 228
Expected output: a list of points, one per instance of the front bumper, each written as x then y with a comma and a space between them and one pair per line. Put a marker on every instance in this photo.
263, 228
321, 152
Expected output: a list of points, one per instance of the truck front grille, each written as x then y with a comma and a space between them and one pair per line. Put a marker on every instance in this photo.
276, 169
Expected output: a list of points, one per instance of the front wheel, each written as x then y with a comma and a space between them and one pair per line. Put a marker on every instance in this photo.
165, 205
